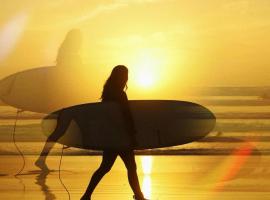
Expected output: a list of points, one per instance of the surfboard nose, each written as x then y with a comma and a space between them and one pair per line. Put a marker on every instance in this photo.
6, 85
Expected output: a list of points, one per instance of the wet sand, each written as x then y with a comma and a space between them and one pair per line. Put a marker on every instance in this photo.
161, 177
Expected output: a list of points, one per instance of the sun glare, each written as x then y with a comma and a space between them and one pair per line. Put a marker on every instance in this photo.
147, 186
145, 78
10, 34
147, 162
147, 70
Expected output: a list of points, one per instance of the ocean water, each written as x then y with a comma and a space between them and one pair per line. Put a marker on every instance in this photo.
236, 126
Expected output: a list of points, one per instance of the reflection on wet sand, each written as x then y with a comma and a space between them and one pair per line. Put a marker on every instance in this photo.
161, 177
41, 181
147, 163
147, 186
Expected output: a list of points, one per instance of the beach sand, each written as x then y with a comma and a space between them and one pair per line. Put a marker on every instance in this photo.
161, 177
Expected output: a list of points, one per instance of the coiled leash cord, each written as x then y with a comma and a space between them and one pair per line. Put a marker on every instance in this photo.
14, 142
59, 173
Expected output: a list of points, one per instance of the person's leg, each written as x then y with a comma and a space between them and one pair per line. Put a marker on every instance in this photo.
62, 124
129, 159
108, 160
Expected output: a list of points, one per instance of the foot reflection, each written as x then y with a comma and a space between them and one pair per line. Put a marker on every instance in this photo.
41, 181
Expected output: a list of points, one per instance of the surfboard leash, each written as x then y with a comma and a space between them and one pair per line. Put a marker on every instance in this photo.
59, 172
14, 142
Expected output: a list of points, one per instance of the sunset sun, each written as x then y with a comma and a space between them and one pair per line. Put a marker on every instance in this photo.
147, 71
145, 78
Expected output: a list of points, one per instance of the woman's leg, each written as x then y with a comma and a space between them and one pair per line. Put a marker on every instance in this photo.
108, 160
129, 159
62, 124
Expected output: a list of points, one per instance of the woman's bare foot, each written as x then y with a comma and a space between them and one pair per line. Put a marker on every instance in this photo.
40, 163
85, 197
139, 198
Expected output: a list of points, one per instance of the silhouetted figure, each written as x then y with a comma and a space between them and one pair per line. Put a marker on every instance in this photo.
114, 91
67, 74
68, 59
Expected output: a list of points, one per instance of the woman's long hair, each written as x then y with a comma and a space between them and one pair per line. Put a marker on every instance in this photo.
116, 82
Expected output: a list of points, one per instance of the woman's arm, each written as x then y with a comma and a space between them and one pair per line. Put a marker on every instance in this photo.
128, 118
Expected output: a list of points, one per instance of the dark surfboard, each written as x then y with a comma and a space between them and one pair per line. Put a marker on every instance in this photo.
159, 123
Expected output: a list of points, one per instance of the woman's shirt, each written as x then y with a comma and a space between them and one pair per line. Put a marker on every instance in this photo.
122, 99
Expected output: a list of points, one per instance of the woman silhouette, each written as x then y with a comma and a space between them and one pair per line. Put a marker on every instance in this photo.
114, 91
68, 59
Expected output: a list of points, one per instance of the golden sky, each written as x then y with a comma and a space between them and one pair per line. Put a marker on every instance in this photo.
174, 42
